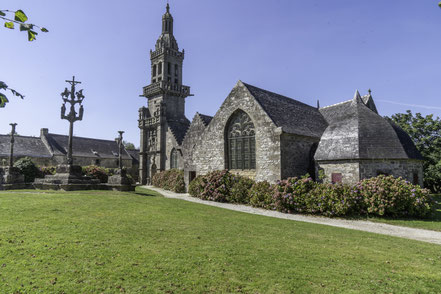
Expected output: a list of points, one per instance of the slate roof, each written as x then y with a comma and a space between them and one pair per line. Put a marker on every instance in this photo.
24, 146
357, 132
134, 153
179, 128
206, 119
292, 116
85, 147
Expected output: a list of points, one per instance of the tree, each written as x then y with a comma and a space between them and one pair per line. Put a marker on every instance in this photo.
425, 132
129, 146
20, 18
439, 4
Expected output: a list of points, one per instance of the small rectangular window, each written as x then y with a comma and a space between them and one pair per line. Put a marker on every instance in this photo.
176, 81
160, 68
176, 70
153, 81
159, 79
336, 178
154, 70
168, 68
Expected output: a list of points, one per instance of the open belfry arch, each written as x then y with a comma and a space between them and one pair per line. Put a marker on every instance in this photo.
163, 123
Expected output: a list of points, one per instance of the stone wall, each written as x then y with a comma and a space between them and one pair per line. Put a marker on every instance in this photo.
398, 168
350, 171
209, 155
354, 171
296, 155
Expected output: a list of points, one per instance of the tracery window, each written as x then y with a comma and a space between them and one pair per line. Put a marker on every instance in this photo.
174, 159
241, 142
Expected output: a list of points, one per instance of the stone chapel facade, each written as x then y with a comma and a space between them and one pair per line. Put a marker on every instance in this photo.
264, 135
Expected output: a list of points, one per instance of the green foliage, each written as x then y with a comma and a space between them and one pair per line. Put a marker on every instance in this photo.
196, 186
97, 172
439, 4
380, 196
27, 168
425, 132
46, 170
129, 146
172, 180
239, 192
19, 17
394, 197
261, 195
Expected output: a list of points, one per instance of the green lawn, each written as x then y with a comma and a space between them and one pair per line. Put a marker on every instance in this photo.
432, 223
112, 242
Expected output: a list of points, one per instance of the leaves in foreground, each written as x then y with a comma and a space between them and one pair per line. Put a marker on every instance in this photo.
3, 98
20, 18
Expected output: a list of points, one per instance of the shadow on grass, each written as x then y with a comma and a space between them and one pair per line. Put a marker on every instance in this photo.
146, 192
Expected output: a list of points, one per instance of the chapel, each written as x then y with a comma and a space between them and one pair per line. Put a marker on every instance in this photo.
263, 135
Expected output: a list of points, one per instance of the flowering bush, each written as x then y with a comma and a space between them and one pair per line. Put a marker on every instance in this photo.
96, 172
395, 197
334, 200
239, 192
46, 170
172, 179
214, 186
291, 195
196, 186
380, 196
261, 195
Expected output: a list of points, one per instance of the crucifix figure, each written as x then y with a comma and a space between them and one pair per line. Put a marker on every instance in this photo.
75, 97
119, 140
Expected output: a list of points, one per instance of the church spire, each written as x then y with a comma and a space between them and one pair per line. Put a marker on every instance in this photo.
167, 21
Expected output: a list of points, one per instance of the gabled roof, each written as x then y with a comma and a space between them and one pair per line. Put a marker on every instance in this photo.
206, 119
357, 132
292, 116
84, 147
24, 146
179, 128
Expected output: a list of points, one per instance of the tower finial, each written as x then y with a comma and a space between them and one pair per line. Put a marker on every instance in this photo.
168, 7
370, 91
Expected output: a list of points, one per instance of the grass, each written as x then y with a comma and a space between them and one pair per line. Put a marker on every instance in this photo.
113, 242
432, 223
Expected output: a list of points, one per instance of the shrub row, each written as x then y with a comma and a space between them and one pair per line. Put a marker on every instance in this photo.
172, 179
379, 196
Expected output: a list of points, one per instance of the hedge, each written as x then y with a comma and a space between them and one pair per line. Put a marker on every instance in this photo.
379, 196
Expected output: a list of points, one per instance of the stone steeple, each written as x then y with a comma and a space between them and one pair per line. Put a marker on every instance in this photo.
163, 121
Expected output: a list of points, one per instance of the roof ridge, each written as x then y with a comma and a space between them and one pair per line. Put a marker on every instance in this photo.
95, 139
336, 104
280, 95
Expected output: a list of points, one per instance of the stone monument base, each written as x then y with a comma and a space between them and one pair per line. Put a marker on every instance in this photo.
10, 178
120, 182
68, 178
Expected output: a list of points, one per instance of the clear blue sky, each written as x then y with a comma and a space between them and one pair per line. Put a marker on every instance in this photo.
307, 50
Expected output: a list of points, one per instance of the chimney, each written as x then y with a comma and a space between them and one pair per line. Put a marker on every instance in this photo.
44, 132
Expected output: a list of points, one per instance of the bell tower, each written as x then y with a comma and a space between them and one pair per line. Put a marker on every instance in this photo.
165, 112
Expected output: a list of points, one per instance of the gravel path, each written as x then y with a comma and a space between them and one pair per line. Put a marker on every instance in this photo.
367, 226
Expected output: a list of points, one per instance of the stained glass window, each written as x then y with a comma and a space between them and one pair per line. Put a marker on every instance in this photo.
174, 159
241, 142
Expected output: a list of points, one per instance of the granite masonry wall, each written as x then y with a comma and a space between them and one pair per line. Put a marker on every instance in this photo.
296, 155
349, 170
411, 170
210, 155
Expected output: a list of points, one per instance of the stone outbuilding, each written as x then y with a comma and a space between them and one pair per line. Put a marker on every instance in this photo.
358, 143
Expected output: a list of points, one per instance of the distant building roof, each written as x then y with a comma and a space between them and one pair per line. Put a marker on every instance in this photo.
24, 146
292, 116
84, 147
355, 131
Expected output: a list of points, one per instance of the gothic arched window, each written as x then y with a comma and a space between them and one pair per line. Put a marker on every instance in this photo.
241, 142
174, 159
